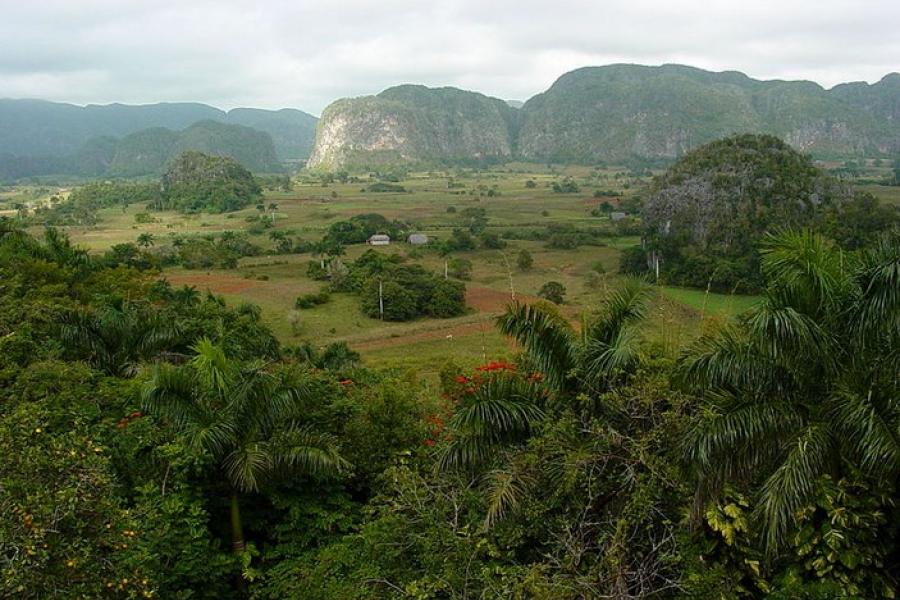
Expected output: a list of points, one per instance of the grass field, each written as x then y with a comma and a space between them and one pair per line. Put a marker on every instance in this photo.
274, 281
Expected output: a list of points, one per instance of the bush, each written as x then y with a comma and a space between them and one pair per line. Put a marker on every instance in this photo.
566, 186
492, 241
313, 300
382, 187
553, 291
633, 261
524, 260
460, 268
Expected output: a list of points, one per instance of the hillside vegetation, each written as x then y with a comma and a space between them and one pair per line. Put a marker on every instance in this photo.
158, 442
705, 217
197, 182
613, 114
48, 138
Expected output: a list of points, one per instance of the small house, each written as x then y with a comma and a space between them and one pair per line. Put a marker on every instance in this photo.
617, 216
379, 239
417, 239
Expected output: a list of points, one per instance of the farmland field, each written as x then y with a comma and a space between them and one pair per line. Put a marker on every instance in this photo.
515, 198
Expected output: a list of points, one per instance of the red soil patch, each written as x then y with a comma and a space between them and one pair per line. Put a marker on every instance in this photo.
487, 300
215, 283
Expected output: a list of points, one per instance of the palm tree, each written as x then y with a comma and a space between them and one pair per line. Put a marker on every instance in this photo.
333, 357
145, 240
505, 409
805, 384
247, 418
118, 336
320, 249
502, 411
605, 350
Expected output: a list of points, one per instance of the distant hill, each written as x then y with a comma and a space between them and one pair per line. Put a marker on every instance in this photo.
40, 137
614, 114
293, 131
704, 218
413, 123
149, 151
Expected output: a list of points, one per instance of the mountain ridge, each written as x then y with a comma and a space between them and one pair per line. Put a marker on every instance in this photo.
617, 113
34, 127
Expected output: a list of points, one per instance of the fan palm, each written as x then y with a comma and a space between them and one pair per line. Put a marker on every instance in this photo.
807, 382
244, 417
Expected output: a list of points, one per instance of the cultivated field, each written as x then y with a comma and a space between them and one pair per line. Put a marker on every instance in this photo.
433, 203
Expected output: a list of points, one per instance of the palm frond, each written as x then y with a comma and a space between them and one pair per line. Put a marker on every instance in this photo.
301, 450
624, 305
785, 333
248, 465
169, 394
547, 337
501, 411
792, 484
803, 269
870, 428
878, 278
726, 359
603, 362
212, 366
735, 435
505, 488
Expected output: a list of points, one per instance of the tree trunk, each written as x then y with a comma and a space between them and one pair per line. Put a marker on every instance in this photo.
237, 529
237, 540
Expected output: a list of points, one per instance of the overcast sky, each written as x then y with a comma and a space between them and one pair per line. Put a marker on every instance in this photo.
304, 54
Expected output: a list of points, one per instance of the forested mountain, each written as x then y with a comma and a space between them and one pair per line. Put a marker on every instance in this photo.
39, 137
610, 114
150, 150
705, 217
413, 123
293, 131
616, 113
41, 128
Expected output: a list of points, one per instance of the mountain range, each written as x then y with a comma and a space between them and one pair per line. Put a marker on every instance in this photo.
38, 137
594, 115
610, 114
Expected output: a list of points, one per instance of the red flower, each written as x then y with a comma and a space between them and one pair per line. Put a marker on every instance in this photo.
346, 382
428, 443
462, 379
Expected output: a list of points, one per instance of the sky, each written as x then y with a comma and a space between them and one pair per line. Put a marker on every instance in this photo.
303, 54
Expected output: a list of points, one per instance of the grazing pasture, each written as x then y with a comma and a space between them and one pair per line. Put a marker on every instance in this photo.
515, 201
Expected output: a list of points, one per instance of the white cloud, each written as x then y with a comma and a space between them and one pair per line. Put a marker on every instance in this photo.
305, 54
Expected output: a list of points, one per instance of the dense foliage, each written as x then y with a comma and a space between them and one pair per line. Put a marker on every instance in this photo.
197, 182
706, 214
158, 443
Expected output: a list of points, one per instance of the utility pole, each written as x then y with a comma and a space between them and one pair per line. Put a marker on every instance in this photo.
446, 276
512, 290
381, 298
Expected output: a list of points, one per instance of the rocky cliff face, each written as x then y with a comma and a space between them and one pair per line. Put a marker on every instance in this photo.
414, 124
610, 114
